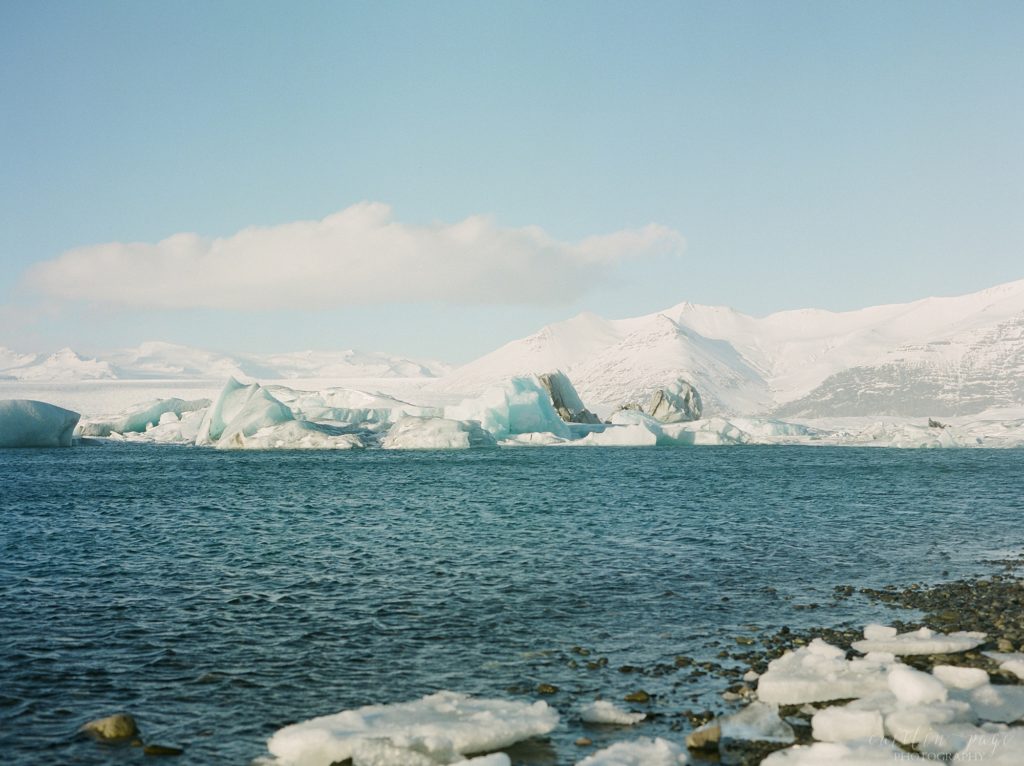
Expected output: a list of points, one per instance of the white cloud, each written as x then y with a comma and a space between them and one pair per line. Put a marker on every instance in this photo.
360, 255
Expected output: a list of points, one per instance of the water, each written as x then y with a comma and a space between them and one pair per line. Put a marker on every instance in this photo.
218, 596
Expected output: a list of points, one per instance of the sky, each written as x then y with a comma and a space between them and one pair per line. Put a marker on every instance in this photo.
435, 179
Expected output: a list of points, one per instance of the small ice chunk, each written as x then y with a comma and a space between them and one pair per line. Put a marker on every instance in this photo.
603, 711
955, 677
820, 672
638, 752
439, 726
839, 724
1012, 662
750, 676
757, 722
913, 687
948, 738
857, 753
923, 641
875, 632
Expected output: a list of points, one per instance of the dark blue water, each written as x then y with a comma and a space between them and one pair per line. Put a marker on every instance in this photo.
218, 596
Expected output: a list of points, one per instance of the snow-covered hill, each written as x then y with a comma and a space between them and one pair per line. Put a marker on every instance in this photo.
155, 360
936, 356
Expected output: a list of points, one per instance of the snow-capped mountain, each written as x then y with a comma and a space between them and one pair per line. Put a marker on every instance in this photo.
937, 356
156, 360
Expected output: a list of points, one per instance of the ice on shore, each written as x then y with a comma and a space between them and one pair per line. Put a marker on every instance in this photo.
840, 724
441, 727
820, 672
1011, 662
856, 753
603, 711
759, 722
914, 687
28, 423
923, 641
638, 752
436, 433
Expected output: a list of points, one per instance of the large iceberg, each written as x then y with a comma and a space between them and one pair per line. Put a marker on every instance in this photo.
239, 412
438, 729
28, 423
521, 406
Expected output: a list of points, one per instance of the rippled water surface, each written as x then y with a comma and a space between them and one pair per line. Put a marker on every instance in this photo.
218, 596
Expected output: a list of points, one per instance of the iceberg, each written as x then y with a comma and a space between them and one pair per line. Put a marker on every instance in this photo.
521, 406
140, 417
565, 399
239, 412
295, 434
28, 423
437, 729
413, 432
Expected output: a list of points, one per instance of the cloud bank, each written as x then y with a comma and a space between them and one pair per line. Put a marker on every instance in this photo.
358, 256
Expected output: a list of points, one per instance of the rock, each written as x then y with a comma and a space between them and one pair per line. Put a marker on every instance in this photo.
935, 424
584, 742
564, 398
705, 738
638, 696
1004, 645
113, 727
546, 689
162, 750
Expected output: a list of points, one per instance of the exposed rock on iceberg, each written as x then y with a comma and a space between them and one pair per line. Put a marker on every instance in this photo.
677, 403
564, 398
437, 729
436, 433
28, 423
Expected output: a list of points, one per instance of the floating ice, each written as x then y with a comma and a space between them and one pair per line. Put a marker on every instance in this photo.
441, 727
840, 724
857, 753
1012, 662
912, 724
628, 428
923, 641
876, 632
638, 752
1002, 703
603, 711
436, 433
521, 406
28, 423
759, 722
820, 672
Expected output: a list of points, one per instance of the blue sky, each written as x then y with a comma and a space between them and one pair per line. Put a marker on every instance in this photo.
810, 154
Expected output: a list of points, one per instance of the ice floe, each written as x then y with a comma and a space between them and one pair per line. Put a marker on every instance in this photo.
638, 752
923, 641
857, 753
603, 711
441, 728
28, 423
142, 417
840, 724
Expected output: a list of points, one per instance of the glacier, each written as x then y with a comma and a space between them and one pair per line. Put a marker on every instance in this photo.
28, 423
